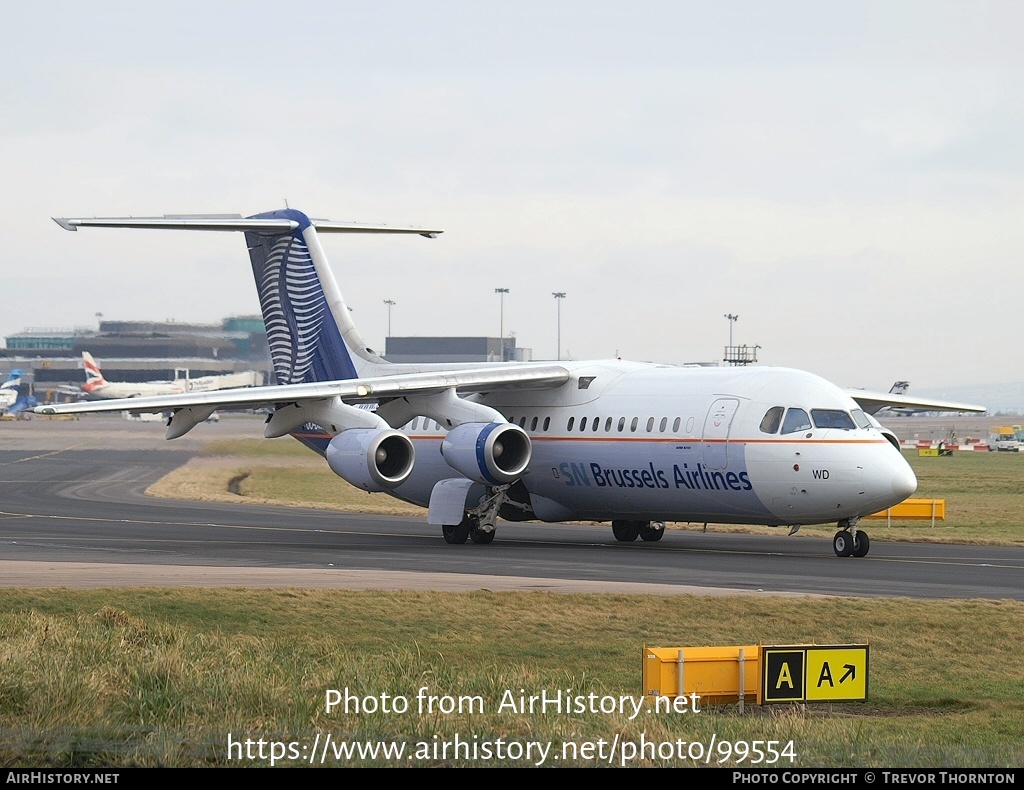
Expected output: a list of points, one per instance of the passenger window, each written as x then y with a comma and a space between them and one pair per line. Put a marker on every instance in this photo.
675, 425
533, 424
547, 422
772, 420
583, 424
416, 423
832, 418
796, 420
664, 424
650, 424
597, 424
622, 423
608, 425
572, 421
522, 422
633, 424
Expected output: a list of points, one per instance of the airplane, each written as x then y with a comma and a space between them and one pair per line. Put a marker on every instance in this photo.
23, 405
9, 390
636, 444
97, 387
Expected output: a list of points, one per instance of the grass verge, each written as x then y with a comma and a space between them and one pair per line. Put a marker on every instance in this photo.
161, 677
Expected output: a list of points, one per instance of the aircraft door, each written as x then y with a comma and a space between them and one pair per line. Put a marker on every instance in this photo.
715, 442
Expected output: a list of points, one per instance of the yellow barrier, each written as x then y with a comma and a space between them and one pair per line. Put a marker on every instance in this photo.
711, 673
914, 510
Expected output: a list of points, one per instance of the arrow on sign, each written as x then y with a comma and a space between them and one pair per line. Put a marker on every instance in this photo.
851, 672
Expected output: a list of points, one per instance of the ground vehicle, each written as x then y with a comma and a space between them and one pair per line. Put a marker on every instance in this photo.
1003, 438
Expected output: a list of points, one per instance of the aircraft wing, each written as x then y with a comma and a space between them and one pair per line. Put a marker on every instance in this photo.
489, 379
872, 402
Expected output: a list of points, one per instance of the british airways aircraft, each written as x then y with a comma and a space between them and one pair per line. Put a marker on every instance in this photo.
630, 443
97, 387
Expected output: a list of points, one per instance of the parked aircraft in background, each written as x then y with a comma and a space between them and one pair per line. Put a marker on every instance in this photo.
9, 390
24, 404
96, 386
631, 443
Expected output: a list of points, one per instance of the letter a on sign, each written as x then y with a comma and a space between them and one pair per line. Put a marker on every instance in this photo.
837, 673
783, 674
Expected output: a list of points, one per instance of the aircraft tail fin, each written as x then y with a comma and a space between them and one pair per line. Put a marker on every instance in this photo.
309, 330
13, 380
93, 374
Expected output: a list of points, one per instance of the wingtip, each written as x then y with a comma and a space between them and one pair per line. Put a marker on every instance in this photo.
64, 223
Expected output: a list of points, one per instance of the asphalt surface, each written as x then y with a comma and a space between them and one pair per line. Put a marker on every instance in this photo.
62, 510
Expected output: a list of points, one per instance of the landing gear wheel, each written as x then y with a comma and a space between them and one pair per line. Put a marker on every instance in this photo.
861, 544
842, 543
457, 533
479, 536
650, 532
626, 530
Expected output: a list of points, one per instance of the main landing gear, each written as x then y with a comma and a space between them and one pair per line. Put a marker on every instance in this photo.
469, 528
850, 541
479, 524
627, 531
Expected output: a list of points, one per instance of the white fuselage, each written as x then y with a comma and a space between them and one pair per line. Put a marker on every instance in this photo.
117, 389
686, 444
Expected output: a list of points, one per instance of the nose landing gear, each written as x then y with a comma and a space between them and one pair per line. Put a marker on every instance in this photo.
850, 541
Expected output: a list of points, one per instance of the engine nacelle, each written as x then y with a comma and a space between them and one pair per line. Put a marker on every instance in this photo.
372, 459
492, 453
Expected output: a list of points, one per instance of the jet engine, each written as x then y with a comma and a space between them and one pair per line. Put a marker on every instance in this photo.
373, 459
492, 453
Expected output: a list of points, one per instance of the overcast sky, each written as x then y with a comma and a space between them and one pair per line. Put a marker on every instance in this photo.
848, 179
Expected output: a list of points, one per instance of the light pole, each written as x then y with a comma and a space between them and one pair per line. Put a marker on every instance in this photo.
559, 296
390, 303
501, 317
732, 320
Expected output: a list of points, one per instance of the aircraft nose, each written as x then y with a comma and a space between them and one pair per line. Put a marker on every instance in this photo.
904, 481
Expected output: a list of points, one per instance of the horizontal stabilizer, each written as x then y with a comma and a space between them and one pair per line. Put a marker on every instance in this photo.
235, 222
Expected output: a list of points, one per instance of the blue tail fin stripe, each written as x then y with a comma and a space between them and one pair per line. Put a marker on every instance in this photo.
304, 339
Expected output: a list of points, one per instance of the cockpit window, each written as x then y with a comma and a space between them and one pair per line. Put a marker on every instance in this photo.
832, 418
772, 420
796, 420
860, 418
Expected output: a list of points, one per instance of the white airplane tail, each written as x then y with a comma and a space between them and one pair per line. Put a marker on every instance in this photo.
93, 375
13, 380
